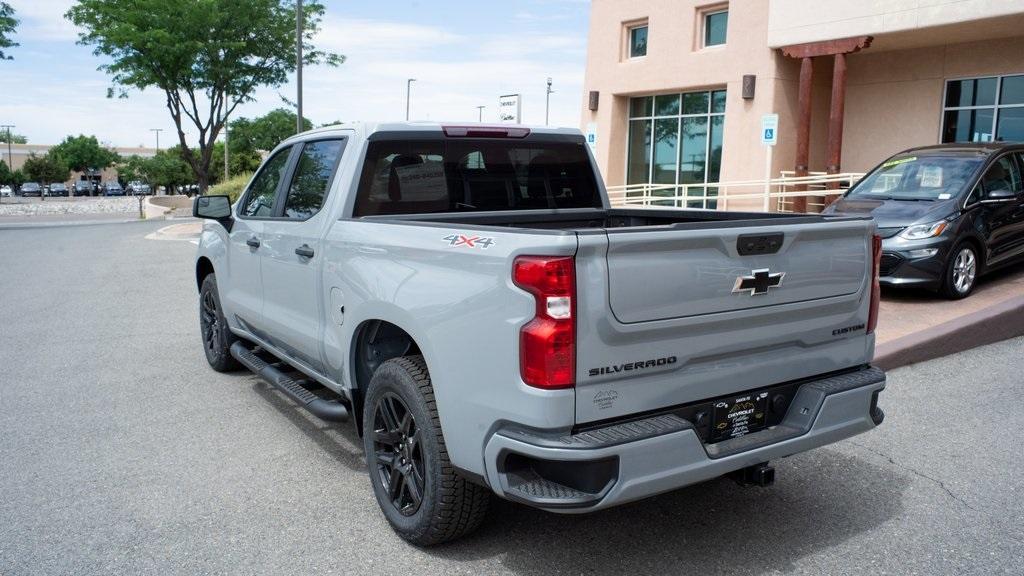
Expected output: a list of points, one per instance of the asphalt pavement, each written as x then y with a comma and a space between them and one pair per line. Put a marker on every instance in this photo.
121, 452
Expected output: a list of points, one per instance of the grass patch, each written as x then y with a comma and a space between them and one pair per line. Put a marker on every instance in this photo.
232, 187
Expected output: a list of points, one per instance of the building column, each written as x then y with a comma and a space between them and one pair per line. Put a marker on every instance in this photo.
803, 130
835, 121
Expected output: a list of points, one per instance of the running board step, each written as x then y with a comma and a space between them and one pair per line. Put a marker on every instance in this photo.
329, 410
529, 487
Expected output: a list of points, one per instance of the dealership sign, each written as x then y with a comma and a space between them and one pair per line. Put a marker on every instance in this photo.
510, 109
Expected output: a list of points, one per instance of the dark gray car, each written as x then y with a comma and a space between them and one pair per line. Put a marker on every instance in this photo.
946, 213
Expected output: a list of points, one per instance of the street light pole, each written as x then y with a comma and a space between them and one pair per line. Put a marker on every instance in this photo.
480, 109
226, 176
408, 92
157, 131
10, 158
547, 103
298, 66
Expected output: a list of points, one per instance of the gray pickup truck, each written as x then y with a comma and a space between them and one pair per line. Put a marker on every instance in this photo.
467, 296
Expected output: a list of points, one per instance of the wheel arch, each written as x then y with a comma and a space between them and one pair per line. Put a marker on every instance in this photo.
374, 342
204, 267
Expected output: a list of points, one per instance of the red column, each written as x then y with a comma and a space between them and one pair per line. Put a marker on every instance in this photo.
803, 130
835, 120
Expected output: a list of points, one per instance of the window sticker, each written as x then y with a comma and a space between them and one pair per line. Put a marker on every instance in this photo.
899, 161
945, 196
931, 177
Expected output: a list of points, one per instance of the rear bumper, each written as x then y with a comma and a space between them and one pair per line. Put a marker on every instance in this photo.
633, 460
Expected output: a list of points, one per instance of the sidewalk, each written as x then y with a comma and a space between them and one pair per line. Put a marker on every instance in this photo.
916, 326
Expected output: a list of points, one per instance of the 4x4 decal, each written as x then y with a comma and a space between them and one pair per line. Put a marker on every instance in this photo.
469, 241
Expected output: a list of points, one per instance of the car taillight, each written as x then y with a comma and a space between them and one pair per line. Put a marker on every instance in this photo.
876, 289
547, 344
485, 131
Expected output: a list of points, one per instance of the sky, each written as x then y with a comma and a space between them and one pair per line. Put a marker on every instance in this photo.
463, 54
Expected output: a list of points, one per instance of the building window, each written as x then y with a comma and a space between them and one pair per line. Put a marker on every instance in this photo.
984, 109
675, 144
716, 26
638, 41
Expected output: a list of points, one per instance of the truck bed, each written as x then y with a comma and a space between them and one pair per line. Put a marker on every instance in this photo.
614, 218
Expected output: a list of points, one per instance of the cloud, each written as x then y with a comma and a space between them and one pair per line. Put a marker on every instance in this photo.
44, 20
355, 35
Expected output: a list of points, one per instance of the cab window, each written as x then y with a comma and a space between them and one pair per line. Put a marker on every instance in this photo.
312, 178
259, 200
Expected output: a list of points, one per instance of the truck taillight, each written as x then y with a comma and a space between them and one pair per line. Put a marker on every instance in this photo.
547, 344
876, 289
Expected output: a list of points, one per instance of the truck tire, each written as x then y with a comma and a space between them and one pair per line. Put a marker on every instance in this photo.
961, 273
416, 486
213, 327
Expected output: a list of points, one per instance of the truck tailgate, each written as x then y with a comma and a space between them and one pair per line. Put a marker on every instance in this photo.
673, 274
675, 315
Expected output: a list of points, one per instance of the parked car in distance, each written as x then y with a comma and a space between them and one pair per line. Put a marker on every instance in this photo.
468, 297
5, 191
947, 214
58, 189
83, 188
30, 189
137, 188
113, 189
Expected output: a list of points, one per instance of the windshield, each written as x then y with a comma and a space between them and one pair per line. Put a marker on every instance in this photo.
908, 177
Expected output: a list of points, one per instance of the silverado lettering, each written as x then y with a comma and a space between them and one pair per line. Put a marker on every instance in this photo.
632, 366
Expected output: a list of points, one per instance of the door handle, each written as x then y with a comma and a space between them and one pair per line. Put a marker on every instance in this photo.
253, 242
305, 251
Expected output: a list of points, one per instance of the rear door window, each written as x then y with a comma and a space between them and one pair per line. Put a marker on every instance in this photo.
259, 200
312, 178
434, 175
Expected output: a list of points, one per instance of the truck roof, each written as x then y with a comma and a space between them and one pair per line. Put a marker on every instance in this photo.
365, 129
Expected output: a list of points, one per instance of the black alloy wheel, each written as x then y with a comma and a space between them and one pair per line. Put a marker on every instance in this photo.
399, 454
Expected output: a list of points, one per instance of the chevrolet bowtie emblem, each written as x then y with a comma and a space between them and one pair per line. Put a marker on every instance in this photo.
758, 282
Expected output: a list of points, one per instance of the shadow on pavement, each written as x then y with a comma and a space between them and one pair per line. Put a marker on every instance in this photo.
820, 500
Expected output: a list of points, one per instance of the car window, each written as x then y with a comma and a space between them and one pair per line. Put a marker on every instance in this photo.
436, 175
1002, 175
259, 201
911, 177
312, 177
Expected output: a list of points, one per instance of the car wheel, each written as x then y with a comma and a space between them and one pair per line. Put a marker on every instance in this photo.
961, 272
413, 480
217, 337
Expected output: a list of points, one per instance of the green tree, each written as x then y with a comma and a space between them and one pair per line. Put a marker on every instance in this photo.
15, 138
168, 169
8, 24
49, 167
265, 132
5, 173
85, 153
207, 56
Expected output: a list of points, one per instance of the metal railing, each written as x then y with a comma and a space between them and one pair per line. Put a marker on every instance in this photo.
775, 195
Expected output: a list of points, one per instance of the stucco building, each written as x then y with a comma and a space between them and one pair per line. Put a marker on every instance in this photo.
675, 90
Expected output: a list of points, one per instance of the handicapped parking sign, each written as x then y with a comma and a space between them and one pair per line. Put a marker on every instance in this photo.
770, 129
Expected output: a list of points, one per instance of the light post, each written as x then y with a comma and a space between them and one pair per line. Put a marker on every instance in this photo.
157, 131
298, 68
547, 103
10, 158
226, 176
480, 110
408, 92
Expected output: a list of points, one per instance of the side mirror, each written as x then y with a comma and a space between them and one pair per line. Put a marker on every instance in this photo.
213, 208
1000, 195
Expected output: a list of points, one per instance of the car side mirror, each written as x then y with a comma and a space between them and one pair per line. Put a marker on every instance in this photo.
1000, 195
213, 208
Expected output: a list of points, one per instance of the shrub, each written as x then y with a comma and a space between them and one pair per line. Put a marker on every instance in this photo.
232, 187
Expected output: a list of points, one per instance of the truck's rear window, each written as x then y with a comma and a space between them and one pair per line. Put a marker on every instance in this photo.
427, 176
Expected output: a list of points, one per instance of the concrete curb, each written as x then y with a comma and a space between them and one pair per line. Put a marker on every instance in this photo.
998, 322
163, 206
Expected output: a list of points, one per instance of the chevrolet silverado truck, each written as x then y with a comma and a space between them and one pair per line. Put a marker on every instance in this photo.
469, 299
